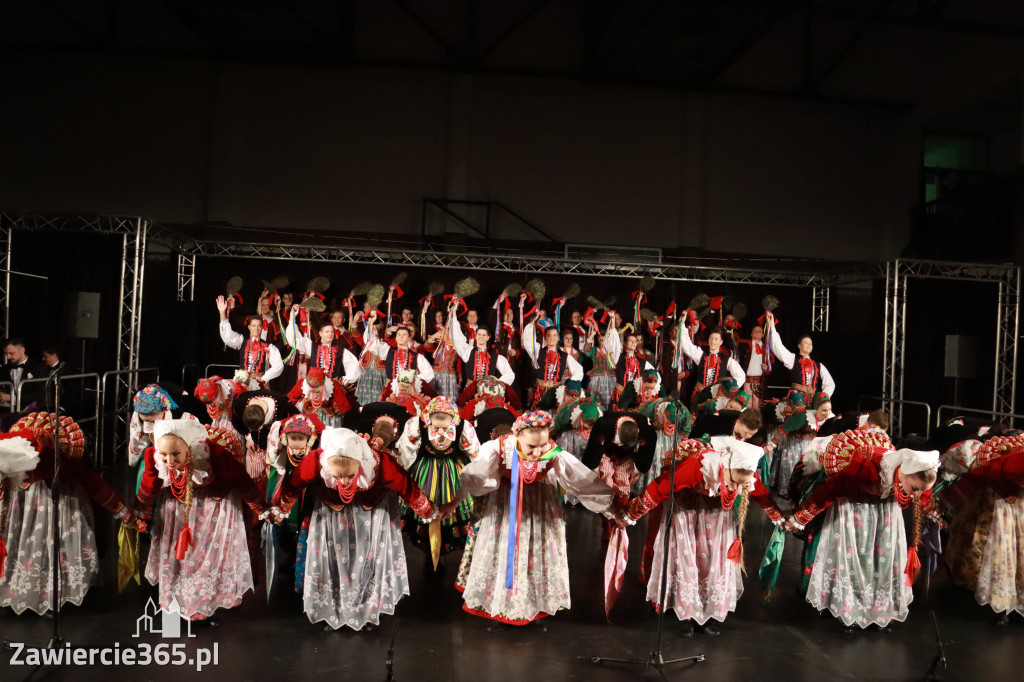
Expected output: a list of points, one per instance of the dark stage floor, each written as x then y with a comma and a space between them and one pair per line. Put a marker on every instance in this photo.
436, 640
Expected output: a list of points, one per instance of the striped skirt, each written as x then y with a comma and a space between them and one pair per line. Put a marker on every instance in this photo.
438, 478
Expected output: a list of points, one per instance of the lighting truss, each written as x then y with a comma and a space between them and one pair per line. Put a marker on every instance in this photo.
500, 262
186, 277
132, 230
1006, 277
820, 297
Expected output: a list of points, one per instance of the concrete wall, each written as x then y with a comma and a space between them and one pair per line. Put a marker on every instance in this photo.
189, 141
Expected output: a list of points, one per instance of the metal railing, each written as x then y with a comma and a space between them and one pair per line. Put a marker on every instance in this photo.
973, 410
119, 419
233, 368
899, 426
80, 420
184, 373
63, 378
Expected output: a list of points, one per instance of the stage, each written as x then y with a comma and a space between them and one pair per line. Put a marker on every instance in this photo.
436, 640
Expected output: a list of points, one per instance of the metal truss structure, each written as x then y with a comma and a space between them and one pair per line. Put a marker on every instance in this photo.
821, 296
496, 261
1006, 277
186, 277
133, 231
136, 231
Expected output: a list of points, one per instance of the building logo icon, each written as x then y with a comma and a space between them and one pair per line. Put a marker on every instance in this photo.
166, 623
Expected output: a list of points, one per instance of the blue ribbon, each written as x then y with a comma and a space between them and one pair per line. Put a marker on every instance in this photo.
513, 498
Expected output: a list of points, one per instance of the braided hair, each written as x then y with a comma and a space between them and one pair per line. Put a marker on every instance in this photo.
741, 518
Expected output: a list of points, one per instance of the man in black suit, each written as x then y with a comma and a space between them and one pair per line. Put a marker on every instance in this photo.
71, 397
20, 368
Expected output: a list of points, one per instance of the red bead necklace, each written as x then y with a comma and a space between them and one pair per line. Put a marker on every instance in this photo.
347, 492
178, 484
902, 498
728, 498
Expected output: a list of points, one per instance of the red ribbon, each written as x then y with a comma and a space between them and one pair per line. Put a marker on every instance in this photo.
3, 556
397, 293
462, 305
184, 543
913, 564
671, 309
734, 551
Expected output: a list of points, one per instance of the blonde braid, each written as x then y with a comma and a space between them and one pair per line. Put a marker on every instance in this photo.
917, 522
741, 518
188, 484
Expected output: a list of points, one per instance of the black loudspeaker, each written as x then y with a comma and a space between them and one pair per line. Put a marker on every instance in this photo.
961, 356
84, 315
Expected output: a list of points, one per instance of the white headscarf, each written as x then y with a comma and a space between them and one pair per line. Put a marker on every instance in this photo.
190, 430
738, 454
347, 443
17, 458
916, 461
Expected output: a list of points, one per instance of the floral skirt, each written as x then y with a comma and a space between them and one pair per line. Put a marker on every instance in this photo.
601, 388
216, 571
355, 564
1001, 576
370, 385
858, 569
541, 575
968, 537
788, 454
446, 384
664, 444
702, 583
28, 570
573, 442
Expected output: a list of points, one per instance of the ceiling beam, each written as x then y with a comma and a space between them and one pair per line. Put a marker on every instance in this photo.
865, 28
429, 30
508, 32
927, 20
751, 37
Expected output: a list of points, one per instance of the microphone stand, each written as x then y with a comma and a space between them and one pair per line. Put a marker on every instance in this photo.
655, 658
57, 639
390, 660
934, 673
